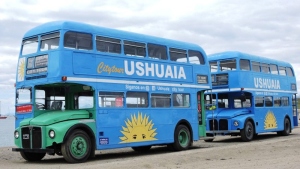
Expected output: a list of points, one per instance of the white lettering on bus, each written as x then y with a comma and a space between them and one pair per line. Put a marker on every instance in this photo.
154, 70
266, 83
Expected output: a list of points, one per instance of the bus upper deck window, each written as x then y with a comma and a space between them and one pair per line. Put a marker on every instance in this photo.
76, 40
213, 66
289, 71
265, 68
255, 66
274, 69
134, 49
244, 64
49, 42
282, 71
110, 45
196, 57
157, 52
178, 55
227, 65
29, 46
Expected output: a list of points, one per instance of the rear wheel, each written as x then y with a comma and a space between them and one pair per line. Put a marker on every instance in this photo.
287, 128
182, 138
77, 147
247, 133
32, 156
141, 148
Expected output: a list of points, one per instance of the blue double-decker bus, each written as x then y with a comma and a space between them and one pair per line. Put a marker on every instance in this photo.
250, 95
81, 88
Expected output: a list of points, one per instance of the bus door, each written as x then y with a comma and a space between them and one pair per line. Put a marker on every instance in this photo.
295, 113
201, 114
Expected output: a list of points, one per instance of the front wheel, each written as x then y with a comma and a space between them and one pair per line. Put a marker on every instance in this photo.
182, 138
32, 156
77, 148
247, 133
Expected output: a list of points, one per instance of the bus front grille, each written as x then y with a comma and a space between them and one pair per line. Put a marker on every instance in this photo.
31, 137
223, 124
213, 125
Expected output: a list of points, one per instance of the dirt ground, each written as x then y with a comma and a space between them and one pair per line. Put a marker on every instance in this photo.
266, 151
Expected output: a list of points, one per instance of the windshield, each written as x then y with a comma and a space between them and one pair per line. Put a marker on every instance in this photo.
63, 97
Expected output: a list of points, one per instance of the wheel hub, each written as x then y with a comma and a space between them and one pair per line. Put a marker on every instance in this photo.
78, 146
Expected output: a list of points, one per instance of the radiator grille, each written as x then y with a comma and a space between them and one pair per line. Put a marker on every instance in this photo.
223, 124
31, 137
213, 125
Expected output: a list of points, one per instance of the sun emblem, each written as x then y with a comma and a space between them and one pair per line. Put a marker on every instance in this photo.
270, 121
138, 129
21, 69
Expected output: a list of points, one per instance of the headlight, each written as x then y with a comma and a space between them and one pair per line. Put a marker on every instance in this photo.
235, 123
16, 133
51, 134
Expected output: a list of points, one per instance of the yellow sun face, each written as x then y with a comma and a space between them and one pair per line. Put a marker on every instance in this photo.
138, 129
21, 69
270, 121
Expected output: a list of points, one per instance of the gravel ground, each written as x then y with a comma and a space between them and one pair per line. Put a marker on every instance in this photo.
267, 151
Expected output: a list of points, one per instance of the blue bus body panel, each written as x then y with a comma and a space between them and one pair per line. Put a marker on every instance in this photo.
139, 127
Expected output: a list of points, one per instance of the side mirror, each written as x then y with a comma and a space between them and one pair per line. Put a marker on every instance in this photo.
212, 107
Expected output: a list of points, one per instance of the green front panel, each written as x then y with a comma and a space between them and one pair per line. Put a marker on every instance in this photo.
60, 129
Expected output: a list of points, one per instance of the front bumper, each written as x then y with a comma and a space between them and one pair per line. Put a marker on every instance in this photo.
34, 150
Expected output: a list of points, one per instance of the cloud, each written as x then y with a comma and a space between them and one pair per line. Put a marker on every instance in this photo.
269, 28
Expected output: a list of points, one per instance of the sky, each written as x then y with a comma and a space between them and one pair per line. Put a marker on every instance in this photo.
268, 28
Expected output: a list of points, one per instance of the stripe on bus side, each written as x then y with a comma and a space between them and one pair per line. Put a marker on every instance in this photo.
250, 89
135, 82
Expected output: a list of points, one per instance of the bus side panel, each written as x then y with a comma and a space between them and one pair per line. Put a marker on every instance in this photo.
133, 127
271, 119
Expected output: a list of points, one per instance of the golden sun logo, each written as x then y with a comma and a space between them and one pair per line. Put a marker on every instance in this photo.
270, 121
138, 129
21, 69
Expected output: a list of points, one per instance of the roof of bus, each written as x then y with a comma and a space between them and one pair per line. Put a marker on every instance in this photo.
237, 54
82, 27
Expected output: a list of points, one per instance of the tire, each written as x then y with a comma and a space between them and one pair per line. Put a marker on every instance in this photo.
247, 133
28, 156
77, 148
287, 128
141, 148
182, 138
